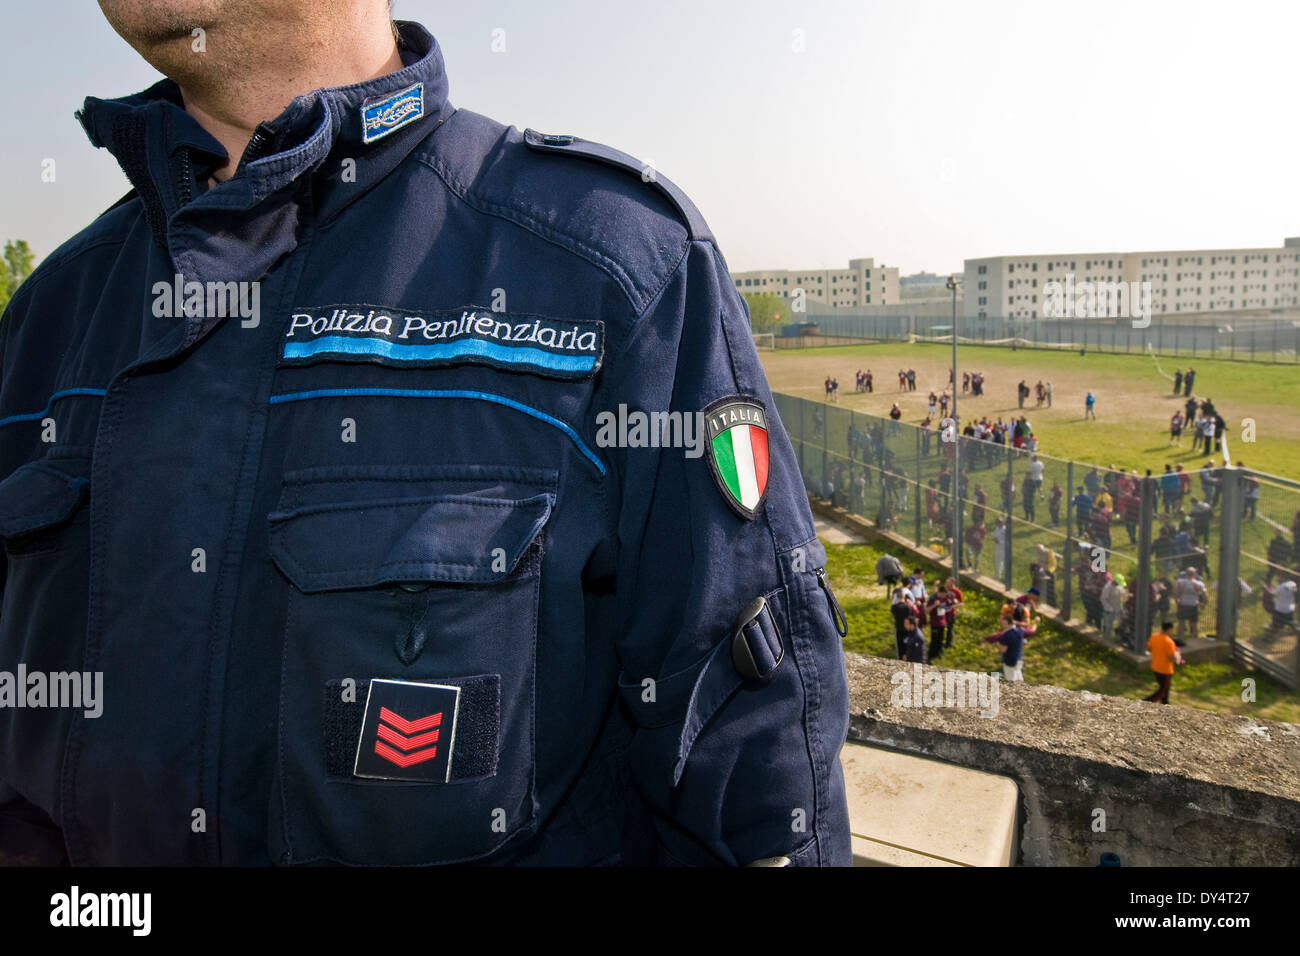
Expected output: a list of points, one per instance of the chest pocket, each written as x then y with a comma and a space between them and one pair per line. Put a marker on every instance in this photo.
45, 524
406, 726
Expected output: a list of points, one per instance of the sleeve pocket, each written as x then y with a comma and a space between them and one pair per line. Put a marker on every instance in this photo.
38, 495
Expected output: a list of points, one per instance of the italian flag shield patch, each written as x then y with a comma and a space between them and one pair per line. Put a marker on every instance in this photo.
736, 429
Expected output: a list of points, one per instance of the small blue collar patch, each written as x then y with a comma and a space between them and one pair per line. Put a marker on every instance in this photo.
392, 113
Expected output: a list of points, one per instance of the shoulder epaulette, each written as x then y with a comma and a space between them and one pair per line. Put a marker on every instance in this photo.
573, 146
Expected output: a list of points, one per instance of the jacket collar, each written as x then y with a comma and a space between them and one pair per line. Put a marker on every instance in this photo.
167, 155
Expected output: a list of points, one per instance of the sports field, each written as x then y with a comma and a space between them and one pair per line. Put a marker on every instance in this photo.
1134, 400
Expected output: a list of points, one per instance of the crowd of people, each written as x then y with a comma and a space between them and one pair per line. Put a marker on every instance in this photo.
914, 608
971, 383
1042, 392
1106, 502
1018, 433
1178, 589
1202, 421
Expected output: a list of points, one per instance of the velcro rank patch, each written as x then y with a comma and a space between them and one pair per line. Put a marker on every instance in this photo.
556, 348
435, 732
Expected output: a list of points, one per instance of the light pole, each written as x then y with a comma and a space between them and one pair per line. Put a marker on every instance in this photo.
956, 447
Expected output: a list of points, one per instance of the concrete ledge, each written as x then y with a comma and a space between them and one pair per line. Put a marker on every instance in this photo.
1159, 786
910, 811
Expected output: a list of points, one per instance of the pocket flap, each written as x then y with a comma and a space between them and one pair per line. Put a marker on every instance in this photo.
447, 538
38, 495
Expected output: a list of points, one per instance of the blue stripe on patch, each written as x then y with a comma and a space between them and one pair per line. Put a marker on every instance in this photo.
446, 393
392, 113
512, 355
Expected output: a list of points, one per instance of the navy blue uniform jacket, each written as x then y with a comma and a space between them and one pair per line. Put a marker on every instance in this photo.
361, 580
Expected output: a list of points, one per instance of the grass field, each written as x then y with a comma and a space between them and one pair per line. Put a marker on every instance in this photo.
1053, 657
1134, 401
1085, 441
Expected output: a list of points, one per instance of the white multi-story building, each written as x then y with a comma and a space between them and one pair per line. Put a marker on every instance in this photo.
1182, 281
862, 283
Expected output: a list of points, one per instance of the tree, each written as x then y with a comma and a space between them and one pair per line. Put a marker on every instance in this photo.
17, 267
767, 312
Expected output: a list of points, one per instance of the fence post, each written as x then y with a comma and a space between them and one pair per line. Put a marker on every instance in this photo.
849, 485
958, 463
1142, 608
1010, 517
1229, 593
1067, 559
803, 440
916, 476
796, 433
826, 453
882, 474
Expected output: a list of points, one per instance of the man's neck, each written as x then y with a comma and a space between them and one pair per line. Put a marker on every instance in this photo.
232, 110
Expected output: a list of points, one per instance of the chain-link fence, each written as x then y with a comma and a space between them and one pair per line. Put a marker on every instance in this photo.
1268, 565
1123, 551
1252, 339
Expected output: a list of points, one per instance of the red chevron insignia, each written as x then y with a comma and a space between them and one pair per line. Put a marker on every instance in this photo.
404, 760
409, 726
408, 732
407, 743
409, 738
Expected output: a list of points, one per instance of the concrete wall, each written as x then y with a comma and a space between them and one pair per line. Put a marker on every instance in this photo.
1177, 786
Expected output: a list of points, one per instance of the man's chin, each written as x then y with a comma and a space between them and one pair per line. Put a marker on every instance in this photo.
148, 24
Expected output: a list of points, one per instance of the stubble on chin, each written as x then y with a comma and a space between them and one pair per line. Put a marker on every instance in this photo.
178, 39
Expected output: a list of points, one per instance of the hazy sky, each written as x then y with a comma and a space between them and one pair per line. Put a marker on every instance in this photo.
920, 133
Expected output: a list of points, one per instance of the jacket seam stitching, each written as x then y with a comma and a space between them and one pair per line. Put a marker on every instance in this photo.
806, 657
571, 243
53, 266
639, 320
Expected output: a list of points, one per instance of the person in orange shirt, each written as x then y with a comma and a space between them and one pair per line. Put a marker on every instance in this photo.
1164, 655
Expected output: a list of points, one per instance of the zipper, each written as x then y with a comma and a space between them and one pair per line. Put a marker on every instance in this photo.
837, 613
187, 177
256, 144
